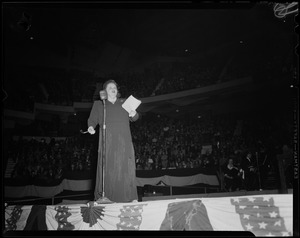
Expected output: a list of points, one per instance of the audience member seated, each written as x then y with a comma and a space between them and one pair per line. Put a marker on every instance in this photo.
231, 177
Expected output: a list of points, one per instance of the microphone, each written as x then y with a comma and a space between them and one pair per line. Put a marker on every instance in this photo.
103, 95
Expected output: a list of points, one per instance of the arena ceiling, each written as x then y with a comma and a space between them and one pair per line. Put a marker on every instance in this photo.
174, 31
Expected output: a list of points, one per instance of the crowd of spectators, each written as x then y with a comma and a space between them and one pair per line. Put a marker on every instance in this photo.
185, 76
83, 85
60, 87
58, 93
139, 84
164, 143
38, 159
160, 143
19, 94
26, 85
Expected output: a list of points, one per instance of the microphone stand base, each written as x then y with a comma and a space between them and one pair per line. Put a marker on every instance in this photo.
103, 200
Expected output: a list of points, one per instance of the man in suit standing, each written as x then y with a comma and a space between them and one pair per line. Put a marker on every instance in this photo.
250, 176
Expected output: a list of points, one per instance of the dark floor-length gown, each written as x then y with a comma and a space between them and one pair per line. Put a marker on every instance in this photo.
120, 177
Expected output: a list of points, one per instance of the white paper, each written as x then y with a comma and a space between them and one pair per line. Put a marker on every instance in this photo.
131, 104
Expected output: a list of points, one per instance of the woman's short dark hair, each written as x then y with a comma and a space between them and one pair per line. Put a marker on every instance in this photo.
114, 82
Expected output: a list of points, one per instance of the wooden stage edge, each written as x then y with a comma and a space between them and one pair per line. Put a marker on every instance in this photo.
207, 195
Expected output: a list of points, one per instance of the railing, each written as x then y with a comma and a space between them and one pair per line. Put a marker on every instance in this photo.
154, 189
153, 193
48, 198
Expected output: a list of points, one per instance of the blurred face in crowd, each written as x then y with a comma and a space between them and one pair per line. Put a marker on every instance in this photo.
249, 155
111, 90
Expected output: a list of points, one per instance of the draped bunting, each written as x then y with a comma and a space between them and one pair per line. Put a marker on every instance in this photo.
16, 217
46, 190
210, 180
263, 215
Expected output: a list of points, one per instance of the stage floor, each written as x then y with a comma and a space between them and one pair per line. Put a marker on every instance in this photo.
153, 197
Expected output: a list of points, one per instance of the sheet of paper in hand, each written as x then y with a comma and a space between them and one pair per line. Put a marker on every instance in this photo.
131, 104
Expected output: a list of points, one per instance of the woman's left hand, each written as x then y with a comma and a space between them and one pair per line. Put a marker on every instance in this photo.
132, 113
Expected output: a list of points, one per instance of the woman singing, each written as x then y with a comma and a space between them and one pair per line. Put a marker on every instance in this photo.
119, 174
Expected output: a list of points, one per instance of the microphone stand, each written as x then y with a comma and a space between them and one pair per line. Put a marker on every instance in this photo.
103, 199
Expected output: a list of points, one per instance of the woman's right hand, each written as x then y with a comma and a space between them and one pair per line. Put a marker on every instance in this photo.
91, 130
